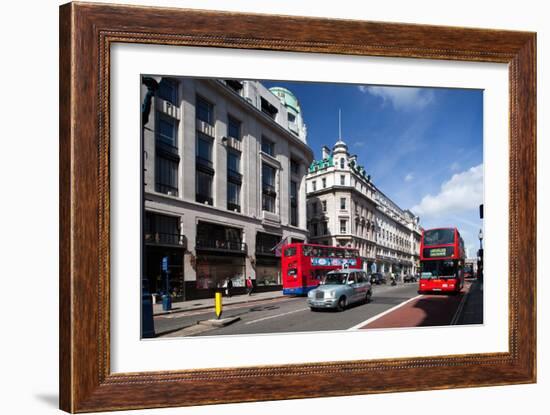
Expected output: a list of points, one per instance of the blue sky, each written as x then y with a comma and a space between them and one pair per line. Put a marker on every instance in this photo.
423, 147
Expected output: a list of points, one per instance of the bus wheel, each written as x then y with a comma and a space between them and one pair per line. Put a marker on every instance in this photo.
341, 304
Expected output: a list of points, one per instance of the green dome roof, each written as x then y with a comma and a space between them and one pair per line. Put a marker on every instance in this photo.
288, 98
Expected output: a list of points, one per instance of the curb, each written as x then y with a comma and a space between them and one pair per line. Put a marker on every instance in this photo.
164, 313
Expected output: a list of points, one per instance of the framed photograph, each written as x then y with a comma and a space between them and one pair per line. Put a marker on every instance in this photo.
255, 208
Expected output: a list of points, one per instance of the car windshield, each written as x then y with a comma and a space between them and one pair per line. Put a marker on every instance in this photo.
438, 269
336, 279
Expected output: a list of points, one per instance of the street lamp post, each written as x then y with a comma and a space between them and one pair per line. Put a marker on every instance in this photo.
480, 255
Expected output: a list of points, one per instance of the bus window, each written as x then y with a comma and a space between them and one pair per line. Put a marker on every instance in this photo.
290, 252
307, 250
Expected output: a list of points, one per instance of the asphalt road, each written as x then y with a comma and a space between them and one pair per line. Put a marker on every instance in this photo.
284, 315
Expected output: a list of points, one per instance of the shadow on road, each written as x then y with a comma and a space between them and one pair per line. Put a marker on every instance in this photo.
438, 308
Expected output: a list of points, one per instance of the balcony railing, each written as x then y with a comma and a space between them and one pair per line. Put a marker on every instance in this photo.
221, 245
161, 238
265, 250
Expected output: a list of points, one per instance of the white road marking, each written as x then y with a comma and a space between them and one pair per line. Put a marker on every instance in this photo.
276, 315
460, 308
376, 317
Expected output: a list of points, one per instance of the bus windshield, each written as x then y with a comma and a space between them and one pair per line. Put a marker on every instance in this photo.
336, 279
439, 237
438, 269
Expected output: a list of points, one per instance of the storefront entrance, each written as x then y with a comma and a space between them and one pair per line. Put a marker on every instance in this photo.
268, 264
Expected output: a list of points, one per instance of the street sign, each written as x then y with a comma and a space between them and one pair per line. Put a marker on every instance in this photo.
165, 263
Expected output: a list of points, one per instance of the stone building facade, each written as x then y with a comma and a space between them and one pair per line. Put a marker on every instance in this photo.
224, 182
345, 208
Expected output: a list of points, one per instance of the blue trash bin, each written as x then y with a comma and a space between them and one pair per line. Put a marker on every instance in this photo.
166, 302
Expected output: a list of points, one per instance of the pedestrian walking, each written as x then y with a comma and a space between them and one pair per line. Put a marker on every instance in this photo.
249, 286
228, 287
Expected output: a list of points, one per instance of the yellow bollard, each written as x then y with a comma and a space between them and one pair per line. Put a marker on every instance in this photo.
218, 303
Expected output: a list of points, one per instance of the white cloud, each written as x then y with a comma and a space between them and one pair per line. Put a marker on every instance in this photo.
409, 177
402, 98
464, 191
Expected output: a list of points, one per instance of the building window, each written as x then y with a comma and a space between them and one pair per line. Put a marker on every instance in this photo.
161, 229
342, 180
324, 204
268, 147
291, 117
343, 203
204, 169
205, 111
204, 150
294, 167
235, 85
315, 229
234, 180
324, 181
343, 226
166, 156
204, 187
324, 227
314, 185
342, 163
166, 130
233, 128
166, 175
168, 91
314, 207
293, 203
233, 196
268, 108
269, 194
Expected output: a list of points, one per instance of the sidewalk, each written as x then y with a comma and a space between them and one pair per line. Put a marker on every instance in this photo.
472, 313
206, 303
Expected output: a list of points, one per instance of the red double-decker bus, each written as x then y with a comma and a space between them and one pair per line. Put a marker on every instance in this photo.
442, 257
304, 266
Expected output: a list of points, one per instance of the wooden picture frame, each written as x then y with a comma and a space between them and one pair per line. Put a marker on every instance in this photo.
86, 33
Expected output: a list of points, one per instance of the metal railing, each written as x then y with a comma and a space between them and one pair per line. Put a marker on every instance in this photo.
221, 245
265, 250
162, 238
